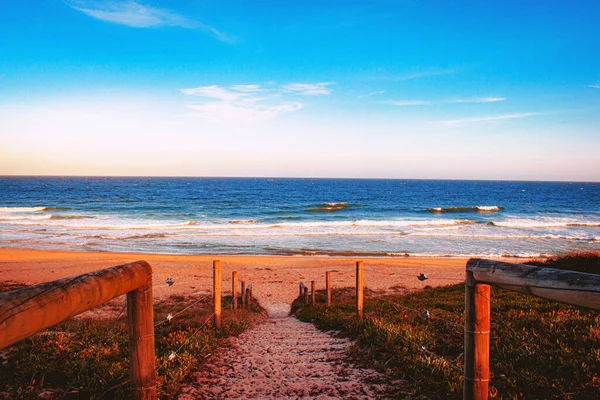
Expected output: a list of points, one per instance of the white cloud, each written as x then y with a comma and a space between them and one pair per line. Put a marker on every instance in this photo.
405, 103
385, 75
137, 15
595, 86
375, 93
215, 92
247, 88
488, 118
309, 89
241, 103
479, 100
221, 111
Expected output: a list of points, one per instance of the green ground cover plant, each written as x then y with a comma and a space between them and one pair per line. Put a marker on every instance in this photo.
88, 357
539, 349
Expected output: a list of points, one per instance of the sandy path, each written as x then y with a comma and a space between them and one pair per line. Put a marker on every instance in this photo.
284, 358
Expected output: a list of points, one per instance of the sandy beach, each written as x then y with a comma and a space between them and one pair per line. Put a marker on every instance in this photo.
275, 279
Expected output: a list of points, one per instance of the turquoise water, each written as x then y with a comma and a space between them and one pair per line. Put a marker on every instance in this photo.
299, 216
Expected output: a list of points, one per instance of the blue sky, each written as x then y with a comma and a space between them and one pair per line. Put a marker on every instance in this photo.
398, 89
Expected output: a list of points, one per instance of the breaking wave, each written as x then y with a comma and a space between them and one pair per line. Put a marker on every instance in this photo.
330, 207
480, 209
22, 209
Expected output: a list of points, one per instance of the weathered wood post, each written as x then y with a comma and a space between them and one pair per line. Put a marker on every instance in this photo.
234, 290
477, 339
248, 295
217, 292
140, 321
312, 293
243, 294
305, 295
359, 289
300, 291
328, 287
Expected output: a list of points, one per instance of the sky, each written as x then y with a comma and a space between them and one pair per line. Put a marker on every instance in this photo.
355, 89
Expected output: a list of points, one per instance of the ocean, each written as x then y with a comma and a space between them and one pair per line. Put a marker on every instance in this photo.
277, 216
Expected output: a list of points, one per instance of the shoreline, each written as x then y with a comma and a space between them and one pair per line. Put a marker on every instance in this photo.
301, 254
275, 279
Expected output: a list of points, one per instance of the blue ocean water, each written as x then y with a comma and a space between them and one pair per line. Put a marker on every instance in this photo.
299, 216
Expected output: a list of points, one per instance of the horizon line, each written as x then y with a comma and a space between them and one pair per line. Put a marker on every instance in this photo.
291, 177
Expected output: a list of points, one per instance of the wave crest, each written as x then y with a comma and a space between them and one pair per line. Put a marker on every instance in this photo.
330, 207
482, 209
23, 209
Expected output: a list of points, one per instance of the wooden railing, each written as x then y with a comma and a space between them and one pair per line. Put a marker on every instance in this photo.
27, 311
569, 287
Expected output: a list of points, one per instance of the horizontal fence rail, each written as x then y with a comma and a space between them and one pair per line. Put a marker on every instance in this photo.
27, 311
570, 287
576, 288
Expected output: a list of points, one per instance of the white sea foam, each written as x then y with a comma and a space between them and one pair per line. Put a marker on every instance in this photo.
111, 223
22, 209
488, 208
431, 235
12, 217
463, 209
533, 223
116, 223
532, 236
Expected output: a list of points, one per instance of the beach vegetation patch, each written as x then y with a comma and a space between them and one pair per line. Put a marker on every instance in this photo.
88, 357
538, 348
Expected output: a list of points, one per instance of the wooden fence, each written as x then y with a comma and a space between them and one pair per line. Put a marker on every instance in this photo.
27, 311
312, 299
569, 287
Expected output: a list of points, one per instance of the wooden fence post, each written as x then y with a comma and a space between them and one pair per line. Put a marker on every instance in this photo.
359, 289
328, 287
140, 321
243, 293
305, 296
300, 289
312, 294
234, 290
477, 339
248, 295
217, 292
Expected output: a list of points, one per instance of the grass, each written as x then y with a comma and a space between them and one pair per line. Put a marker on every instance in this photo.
539, 349
88, 357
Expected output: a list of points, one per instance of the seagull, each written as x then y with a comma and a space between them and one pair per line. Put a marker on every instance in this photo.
425, 314
170, 281
422, 277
